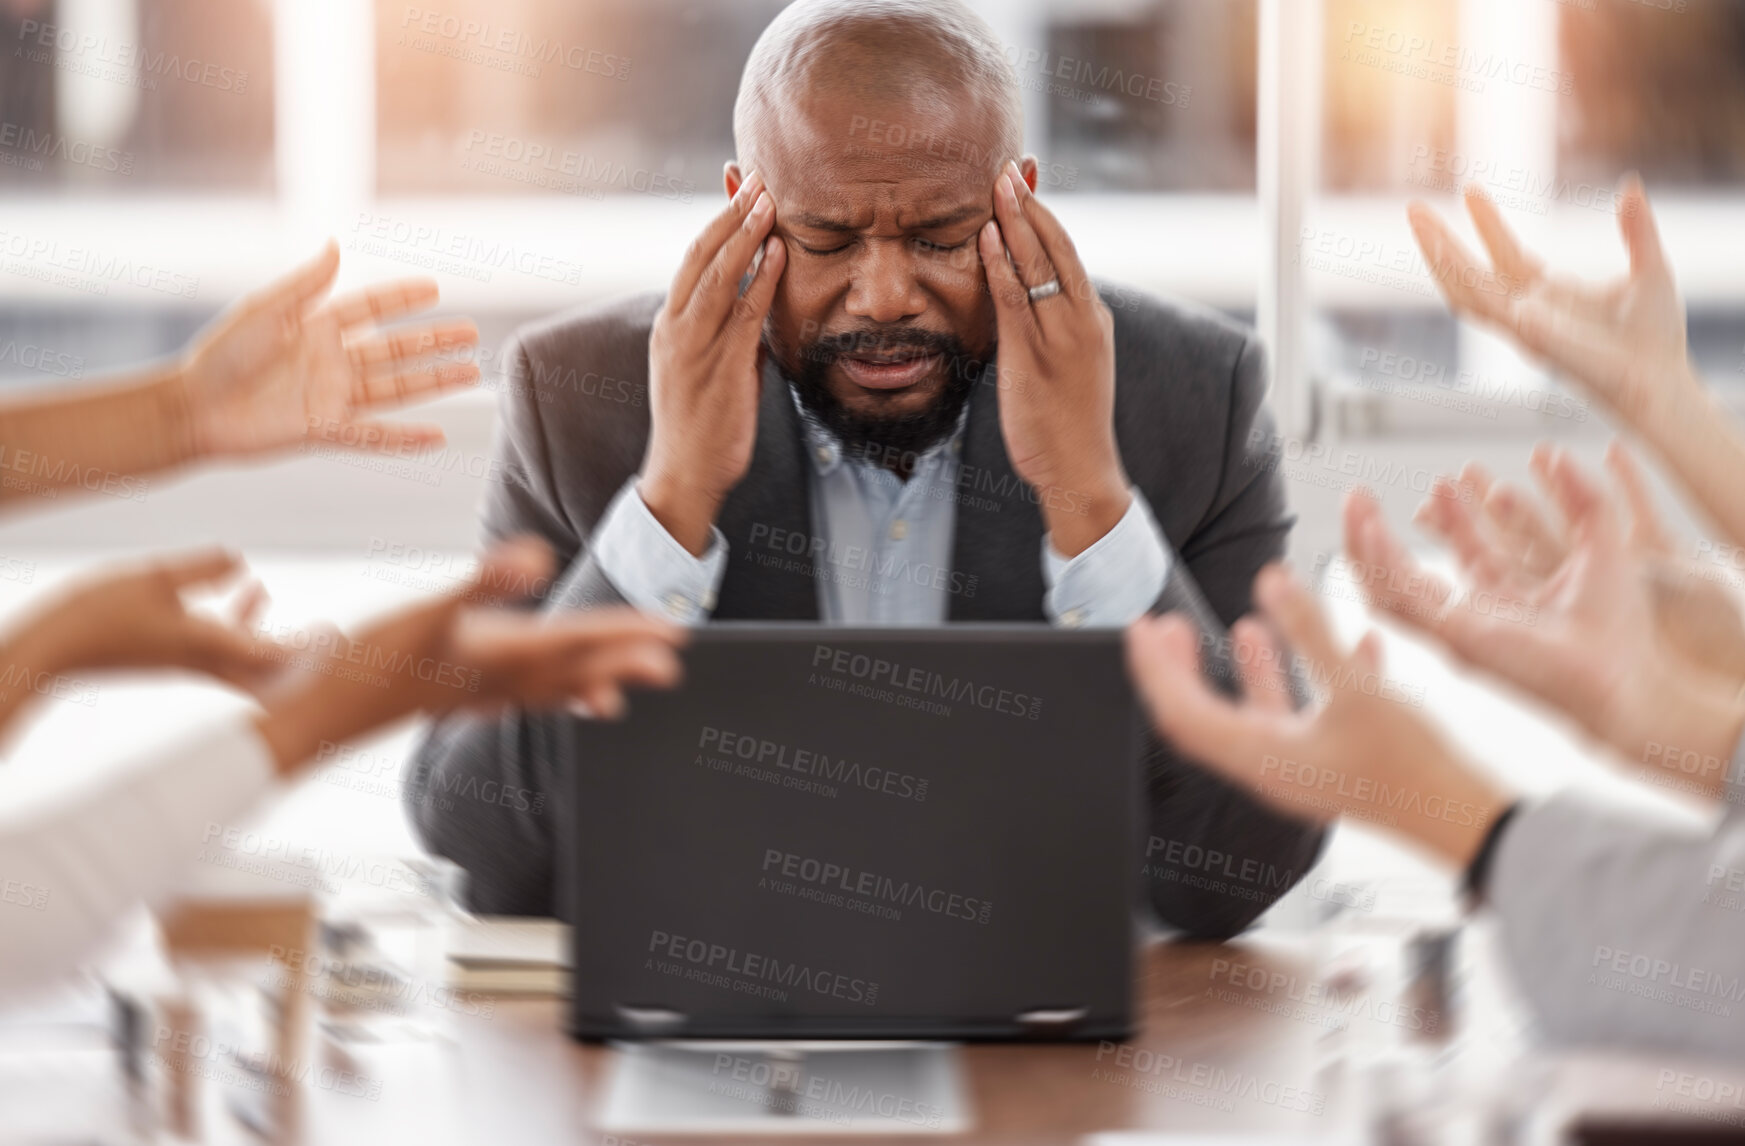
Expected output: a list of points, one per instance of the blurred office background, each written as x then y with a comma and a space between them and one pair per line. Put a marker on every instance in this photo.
159, 157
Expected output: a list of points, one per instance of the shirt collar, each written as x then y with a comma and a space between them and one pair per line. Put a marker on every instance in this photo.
826, 452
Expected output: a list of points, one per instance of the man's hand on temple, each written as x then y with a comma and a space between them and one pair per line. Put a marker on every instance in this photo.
279, 367
703, 366
1056, 369
1355, 754
452, 652
1582, 637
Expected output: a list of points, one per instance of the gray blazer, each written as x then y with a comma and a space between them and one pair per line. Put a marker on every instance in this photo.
1625, 931
1195, 436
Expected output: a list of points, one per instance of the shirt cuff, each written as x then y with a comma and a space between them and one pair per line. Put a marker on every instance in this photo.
653, 571
1114, 582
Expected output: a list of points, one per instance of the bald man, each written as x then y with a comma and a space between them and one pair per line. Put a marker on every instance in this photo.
882, 390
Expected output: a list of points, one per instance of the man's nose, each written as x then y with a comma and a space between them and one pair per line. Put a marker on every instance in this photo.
883, 287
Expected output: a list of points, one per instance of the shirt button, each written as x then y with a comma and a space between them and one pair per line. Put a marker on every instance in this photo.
677, 604
823, 455
899, 529
1072, 619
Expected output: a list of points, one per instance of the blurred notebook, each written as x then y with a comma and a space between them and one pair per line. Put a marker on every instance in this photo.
510, 955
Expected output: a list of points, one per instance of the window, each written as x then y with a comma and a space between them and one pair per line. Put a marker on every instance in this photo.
157, 131
1659, 87
1163, 101
611, 97
1545, 105
1389, 94
129, 96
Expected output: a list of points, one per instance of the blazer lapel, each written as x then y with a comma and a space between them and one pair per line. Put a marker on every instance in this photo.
763, 581
999, 525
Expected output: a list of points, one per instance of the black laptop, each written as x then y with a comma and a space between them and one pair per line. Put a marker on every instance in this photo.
853, 833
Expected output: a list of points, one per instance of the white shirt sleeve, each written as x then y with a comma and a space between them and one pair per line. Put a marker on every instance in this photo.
653, 571
1114, 582
72, 865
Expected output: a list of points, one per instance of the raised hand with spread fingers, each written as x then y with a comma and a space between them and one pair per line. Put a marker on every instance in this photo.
1698, 611
1623, 342
279, 368
1359, 753
1582, 637
138, 616
454, 652
283, 365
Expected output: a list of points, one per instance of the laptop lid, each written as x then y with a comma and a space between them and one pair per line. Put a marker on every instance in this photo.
851, 833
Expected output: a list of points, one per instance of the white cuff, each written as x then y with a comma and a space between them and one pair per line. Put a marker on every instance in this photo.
1114, 582
652, 570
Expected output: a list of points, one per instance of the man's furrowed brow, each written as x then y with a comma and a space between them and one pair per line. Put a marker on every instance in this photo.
819, 222
838, 226
949, 218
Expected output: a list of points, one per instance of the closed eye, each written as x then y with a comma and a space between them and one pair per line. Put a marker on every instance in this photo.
935, 248
824, 250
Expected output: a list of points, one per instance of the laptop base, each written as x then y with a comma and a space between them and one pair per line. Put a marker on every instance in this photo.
766, 1087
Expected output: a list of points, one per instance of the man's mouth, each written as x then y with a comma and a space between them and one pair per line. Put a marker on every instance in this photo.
888, 371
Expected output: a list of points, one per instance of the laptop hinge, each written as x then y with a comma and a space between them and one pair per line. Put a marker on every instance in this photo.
1052, 1022
652, 1021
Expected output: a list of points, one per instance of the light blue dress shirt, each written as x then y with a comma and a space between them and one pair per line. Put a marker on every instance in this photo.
883, 551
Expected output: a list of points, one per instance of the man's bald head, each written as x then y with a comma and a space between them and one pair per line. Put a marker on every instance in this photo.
879, 128
876, 53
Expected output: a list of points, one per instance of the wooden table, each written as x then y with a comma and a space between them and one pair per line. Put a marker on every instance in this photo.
1217, 1054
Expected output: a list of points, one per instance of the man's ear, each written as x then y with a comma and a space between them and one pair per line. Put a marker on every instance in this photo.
731, 178
1027, 168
